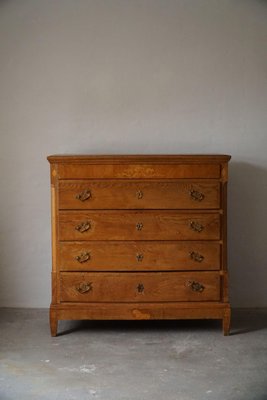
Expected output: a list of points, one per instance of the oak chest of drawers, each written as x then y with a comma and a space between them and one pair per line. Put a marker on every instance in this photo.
139, 237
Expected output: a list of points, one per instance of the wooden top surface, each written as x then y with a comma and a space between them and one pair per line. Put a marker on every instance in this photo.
139, 159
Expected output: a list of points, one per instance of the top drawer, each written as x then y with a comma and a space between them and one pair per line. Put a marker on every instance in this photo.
139, 171
126, 194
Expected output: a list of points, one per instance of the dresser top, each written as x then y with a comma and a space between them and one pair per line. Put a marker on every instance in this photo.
140, 159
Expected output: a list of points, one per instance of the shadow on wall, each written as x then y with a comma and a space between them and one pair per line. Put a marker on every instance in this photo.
247, 234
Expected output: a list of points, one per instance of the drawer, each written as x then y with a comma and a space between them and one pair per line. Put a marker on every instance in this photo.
139, 287
133, 225
139, 255
125, 194
139, 171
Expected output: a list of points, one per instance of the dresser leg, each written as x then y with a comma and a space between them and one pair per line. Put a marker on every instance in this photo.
226, 321
53, 321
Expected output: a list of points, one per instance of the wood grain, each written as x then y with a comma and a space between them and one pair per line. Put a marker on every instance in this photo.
139, 311
139, 237
102, 159
133, 171
155, 286
138, 194
139, 255
115, 225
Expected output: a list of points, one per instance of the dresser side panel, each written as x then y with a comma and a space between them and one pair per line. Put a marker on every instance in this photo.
54, 233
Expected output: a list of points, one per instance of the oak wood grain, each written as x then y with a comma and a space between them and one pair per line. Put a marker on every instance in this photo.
102, 159
139, 255
139, 287
138, 194
134, 171
140, 311
139, 237
153, 225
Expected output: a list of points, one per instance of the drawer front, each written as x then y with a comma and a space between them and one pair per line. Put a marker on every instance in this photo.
125, 194
139, 171
139, 287
131, 225
134, 256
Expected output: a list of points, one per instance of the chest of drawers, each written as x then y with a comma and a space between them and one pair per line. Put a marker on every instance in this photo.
139, 237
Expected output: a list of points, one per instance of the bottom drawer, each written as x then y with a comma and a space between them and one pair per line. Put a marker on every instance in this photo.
139, 287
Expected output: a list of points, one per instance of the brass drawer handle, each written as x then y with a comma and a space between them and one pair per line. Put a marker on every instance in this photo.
84, 195
83, 226
196, 226
140, 288
83, 257
139, 226
84, 287
139, 194
196, 195
196, 256
195, 286
139, 257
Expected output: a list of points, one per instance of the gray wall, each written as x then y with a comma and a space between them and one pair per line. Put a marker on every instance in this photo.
130, 76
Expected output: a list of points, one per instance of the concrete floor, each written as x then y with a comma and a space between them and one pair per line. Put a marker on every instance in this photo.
177, 360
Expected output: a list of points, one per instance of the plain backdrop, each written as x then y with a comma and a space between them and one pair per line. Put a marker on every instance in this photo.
130, 76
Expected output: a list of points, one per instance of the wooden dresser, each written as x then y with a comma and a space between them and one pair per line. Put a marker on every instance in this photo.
139, 237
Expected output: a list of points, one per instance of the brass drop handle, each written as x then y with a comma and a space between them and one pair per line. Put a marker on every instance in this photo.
139, 194
196, 195
195, 286
196, 226
140, 288
83, 226
139, 226
84, 195
196, 256
139, 257
84, 287
83, 257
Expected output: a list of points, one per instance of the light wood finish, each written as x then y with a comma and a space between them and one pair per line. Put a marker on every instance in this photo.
139, 286
140, 311
132, 171
53, 315
140, 159
133, 225
139, 237
138, 194
139, 255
